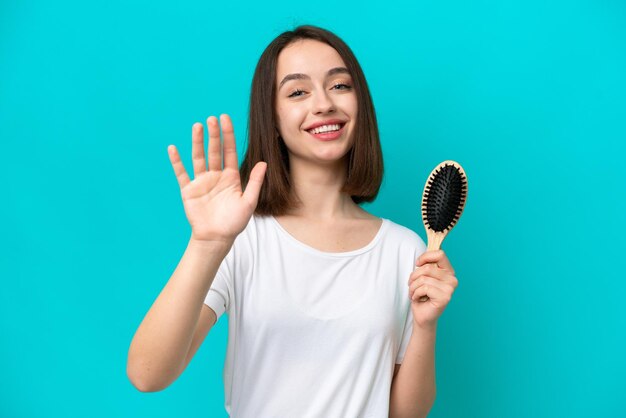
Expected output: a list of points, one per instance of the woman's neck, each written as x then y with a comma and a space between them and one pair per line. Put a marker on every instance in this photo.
318, 188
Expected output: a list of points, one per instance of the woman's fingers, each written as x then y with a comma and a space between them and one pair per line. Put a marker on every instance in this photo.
197, 149
177, 164
437, 257
230, 149
215, 147
253, 188
430, 291
430, 283
429, 269
214, 151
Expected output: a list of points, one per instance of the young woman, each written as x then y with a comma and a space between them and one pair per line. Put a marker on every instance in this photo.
322, 297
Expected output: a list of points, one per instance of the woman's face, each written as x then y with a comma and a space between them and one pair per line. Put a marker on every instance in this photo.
316, 104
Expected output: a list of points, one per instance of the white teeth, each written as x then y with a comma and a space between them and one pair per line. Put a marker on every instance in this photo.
324, 128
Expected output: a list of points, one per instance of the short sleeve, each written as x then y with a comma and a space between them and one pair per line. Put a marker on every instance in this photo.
406, 336
219, 295
419, 248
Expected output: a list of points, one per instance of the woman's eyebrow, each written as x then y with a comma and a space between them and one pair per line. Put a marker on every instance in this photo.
300, 76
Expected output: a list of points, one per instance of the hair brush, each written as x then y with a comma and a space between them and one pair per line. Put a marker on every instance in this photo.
443, 200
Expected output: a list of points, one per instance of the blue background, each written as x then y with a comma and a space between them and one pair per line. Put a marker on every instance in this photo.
529, 96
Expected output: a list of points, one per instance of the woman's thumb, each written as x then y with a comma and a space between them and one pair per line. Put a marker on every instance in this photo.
253, 188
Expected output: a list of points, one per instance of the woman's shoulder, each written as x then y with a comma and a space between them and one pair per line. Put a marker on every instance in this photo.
404, 234
394, 231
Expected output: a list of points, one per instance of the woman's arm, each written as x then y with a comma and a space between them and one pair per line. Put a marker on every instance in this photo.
413, 389
218, 210
158, 351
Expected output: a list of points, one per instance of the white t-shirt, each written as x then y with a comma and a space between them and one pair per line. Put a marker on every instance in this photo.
313, 334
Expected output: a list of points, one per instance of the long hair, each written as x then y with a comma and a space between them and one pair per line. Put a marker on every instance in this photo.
364, 160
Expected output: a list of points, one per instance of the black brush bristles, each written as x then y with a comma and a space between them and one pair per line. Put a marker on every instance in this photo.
444, 198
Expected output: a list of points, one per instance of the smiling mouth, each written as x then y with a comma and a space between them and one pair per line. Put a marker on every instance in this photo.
333, 127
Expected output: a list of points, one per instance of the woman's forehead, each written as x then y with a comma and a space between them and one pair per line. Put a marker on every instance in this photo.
309, 57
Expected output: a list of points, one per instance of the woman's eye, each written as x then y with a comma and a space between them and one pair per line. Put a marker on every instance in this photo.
296, 93
342, 86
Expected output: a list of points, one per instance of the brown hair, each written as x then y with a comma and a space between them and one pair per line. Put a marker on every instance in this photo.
365, 161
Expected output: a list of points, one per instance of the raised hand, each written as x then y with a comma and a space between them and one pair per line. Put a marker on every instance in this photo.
214, 203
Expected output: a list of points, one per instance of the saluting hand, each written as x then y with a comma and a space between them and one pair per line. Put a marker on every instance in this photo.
214, 203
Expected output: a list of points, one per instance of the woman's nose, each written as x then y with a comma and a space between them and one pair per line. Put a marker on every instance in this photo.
322, 103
